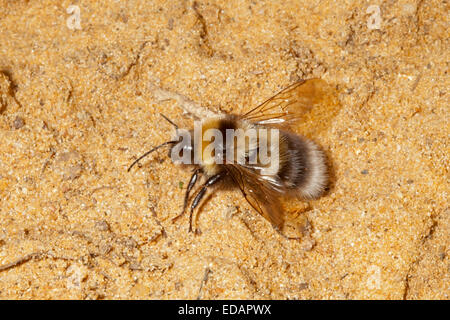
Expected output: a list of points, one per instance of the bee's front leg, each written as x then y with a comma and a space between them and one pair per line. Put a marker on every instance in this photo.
191, 184
198, 197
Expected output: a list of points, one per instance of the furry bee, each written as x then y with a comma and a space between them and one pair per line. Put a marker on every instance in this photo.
301, 170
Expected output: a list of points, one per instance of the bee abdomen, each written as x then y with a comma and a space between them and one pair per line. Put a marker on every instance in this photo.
304, 170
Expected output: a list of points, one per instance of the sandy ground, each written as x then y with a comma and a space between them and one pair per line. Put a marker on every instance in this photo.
77, 105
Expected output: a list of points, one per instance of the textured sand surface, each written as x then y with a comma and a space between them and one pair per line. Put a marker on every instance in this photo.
78, 106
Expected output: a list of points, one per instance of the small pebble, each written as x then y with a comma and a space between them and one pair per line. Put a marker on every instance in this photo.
365, 171
18, 123
303, 286
170, 24
102, 225
130, 243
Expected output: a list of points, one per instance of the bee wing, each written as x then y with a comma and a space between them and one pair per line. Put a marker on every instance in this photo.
259, 194
292, 103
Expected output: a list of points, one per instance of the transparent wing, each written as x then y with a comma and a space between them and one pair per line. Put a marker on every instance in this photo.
285, 218
294, 103
259, 194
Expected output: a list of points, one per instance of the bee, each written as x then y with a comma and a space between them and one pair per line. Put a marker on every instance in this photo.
301, 170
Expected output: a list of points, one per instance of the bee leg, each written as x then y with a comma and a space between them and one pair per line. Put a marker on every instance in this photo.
191, 184
198, 197
285, 236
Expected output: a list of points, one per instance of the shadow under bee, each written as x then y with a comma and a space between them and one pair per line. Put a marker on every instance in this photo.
331, 169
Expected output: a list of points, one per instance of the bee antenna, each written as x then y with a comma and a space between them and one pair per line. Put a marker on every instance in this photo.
170, 121
150, 151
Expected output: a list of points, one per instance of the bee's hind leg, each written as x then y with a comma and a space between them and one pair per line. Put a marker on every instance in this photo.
191, 184
198, 197
285, 236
